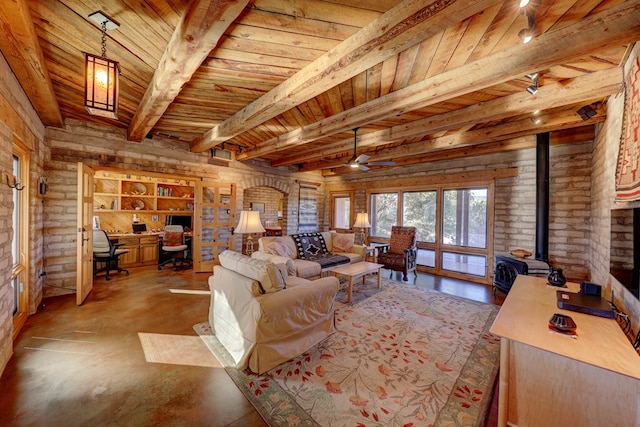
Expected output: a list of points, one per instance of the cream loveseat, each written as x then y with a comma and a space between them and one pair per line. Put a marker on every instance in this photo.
264, 317
322, 251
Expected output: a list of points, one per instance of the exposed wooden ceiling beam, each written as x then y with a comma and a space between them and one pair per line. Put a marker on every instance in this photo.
403, 26
20, 46
566, 119
614, 26
566, 136
196, 35
587, 87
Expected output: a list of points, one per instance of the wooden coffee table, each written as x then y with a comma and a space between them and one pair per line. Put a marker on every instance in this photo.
355, 271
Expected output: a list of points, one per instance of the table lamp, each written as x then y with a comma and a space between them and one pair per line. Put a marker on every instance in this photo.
249, 223
362, 222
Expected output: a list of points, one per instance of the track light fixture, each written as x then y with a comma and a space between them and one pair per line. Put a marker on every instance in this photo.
533, 88
586, 112
526, 34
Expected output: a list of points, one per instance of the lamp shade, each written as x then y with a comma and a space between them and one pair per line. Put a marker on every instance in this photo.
101, 86
249, 222
362, 220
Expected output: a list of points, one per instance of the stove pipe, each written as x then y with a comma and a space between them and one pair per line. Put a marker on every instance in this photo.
542, 197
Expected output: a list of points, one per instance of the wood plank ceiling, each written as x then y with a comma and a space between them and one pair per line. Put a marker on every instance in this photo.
287, 81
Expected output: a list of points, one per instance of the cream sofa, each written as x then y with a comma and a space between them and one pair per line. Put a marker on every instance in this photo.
262, 316
283, 250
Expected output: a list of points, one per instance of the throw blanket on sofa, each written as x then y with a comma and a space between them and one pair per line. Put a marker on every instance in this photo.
312, 247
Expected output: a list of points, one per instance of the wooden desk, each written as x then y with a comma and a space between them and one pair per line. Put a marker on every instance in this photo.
549, 379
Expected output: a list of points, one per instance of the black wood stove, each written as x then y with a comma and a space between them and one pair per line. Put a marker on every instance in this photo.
508, 267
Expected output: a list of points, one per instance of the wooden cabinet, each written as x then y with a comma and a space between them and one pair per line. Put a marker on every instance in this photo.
132, 244
148, 250
143, 250
550, 379
273, 231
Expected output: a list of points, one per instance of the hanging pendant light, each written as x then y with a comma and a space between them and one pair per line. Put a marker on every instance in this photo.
101, 76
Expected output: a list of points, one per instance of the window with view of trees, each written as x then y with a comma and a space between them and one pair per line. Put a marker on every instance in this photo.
384, 208
452, 226
419, 209
464, 222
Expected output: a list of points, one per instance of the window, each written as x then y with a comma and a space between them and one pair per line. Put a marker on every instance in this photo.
384, 208
465, 217
341, 211
419, 209
452, 226
464, 225
19, 243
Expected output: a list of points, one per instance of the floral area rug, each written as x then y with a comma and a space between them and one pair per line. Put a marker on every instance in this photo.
402, 356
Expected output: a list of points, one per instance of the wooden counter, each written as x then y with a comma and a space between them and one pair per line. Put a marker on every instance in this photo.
549, 379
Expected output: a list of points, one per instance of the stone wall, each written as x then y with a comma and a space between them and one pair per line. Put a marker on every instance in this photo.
6, 234
605, 156
18, 122
99, 146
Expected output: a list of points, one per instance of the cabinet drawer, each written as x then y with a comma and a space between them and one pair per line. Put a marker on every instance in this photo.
129, 241
149, 240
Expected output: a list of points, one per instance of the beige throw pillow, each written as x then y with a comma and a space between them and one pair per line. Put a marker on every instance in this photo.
343, 242
278, 248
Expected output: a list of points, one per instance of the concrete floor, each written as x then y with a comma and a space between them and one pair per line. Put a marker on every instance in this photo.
84, 365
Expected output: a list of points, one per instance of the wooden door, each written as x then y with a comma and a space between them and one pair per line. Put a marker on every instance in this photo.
84, 235
214, 218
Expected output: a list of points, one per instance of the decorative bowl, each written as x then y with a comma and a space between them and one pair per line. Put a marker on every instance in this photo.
562, 322
138, 189
137, 204
520, 253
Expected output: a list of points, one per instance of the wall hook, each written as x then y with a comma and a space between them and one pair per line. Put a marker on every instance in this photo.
15, 184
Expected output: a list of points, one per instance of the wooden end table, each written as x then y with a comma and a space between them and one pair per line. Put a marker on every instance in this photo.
355, 271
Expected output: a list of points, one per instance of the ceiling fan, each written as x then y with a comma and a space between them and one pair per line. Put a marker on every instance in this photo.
360, 161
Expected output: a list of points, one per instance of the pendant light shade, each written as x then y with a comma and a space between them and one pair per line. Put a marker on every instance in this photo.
101, 86
101, 75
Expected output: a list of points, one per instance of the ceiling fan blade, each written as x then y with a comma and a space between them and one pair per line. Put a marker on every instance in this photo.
363, 168
362, 158
382, 163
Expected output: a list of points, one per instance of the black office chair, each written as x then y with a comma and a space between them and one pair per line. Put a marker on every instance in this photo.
173, 247
107, 253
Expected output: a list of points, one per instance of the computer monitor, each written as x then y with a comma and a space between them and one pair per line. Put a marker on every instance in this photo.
183, 220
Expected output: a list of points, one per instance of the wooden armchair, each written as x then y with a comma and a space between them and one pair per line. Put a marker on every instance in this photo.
402, 252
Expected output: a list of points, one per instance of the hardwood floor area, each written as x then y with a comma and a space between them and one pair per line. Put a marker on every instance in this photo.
83, 365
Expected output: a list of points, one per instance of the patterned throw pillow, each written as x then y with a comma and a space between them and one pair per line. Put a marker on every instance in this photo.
172, 239
310, 244
343, 242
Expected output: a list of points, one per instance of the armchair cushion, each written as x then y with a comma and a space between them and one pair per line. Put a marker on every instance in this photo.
402, 238
267, 274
